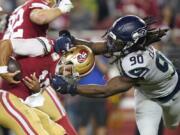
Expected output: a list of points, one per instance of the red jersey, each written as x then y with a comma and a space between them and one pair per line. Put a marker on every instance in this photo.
20, 25
39, 65
42, 66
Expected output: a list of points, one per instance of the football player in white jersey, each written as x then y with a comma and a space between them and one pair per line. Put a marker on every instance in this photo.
156, 81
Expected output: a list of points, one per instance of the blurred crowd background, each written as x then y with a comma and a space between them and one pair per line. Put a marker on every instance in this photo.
90, 19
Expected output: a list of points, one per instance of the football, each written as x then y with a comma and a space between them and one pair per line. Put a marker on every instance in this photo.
14, 66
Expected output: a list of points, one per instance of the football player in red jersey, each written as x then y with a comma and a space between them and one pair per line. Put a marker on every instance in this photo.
32, 18
23, 119
28, 21
42, 67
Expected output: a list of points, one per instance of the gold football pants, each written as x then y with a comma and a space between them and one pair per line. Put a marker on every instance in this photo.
52, 105
25, 120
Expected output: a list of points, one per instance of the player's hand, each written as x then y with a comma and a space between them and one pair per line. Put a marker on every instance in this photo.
60, 84
9, 77
32, 82
65, 6
64, 42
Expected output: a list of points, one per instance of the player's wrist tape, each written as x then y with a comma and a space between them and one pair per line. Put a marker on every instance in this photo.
3, 69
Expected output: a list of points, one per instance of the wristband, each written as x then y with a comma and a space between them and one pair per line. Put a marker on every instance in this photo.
3, 69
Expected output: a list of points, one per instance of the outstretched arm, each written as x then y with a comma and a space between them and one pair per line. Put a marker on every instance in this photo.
113, 86
66, 41
99, 47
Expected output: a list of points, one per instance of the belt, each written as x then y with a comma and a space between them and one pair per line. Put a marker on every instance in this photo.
168, 97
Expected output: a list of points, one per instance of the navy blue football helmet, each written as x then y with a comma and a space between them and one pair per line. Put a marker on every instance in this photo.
127, 34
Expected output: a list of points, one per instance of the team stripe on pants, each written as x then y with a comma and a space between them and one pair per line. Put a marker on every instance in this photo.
56, 101
16, 114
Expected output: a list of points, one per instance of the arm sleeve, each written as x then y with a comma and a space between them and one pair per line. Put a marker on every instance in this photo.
31, 47
39, 6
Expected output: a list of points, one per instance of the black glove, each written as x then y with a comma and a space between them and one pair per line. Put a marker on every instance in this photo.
59, 83
64, 42
66, 33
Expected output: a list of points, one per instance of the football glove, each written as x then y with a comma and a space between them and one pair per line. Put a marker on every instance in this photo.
60, 84
64, 42
66, 33
65, 6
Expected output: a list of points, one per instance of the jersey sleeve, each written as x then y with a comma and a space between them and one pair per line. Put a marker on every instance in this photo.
38, 5
31, 47
135, 65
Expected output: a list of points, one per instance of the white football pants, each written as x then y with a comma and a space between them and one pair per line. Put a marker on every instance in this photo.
148, 114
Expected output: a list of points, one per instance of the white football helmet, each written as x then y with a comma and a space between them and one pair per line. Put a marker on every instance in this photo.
82, 59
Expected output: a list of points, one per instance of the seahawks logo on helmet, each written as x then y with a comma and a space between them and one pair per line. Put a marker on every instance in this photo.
139, 34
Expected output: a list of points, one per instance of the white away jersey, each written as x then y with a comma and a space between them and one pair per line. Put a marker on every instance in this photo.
155, 74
